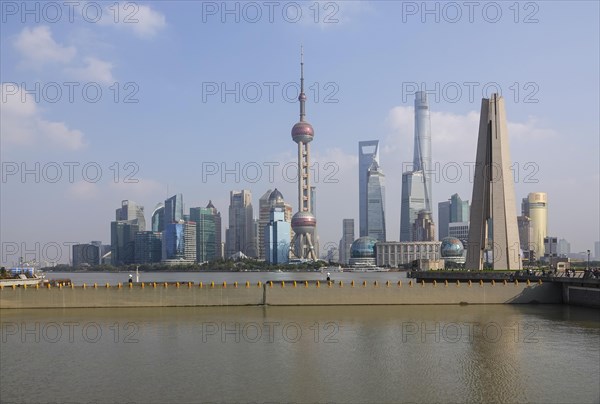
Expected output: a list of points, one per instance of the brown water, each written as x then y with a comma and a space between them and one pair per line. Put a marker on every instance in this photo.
493, 353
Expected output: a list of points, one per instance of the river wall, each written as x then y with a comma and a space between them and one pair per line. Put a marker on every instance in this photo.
280, 294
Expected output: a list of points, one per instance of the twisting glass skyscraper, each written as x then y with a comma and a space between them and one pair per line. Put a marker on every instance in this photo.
416, 184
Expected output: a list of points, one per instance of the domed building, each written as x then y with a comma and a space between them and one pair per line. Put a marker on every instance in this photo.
362, 252
452, 250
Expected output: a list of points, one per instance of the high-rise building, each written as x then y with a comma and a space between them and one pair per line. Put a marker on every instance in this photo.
304, 221
130, 210
158, 217
346, 241
525, 237
174, 209
422, 151
455, 210
88, 254
368, 153
459, 230
208, 232
417, 183
535, 206
240, 233
413, 201
376, 203
597, 250
493, 222
564, 248
148, 247
423, 227
266, 203
277, 237
179, 242
550, 246
122, 241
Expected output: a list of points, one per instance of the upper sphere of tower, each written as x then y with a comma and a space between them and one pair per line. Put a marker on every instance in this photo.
303, 132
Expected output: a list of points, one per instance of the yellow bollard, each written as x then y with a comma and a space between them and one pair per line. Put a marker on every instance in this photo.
294, 283
481, 282
25, 286
166, 285
539, 281
95, 285
469, 283
504, 282
399, 284
154, 285
446, 282
365, 284
259, 284
305, 284
14, 287
84, 286
387, 284
423, 284
247, 284
375, 283
318, 283
107, 285
434, 283
119, 285
224, 285
270, 284
528, 283
143, 285
341, 284
1, 287
283, 284
200, 285
177, 285
130, 285
352, 283
59, 285
457, 282
516, 282
48, 286
329, 283
235, 284
189, 284
212, 284
493, 282
37, 286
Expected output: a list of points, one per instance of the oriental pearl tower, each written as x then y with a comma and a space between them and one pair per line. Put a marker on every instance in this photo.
303, 222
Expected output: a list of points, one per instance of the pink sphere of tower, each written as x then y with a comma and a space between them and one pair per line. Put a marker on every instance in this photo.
303, 132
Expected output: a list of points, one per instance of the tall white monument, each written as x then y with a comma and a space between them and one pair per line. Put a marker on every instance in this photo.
493, 220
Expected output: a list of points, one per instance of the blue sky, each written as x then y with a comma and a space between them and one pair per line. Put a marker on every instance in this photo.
364, 58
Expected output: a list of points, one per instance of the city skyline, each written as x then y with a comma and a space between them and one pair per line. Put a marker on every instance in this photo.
180, 138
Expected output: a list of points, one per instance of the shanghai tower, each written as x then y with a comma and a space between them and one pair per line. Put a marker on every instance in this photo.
416, 184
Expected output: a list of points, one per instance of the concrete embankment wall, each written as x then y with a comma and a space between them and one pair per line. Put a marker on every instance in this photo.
581, 295
279, 294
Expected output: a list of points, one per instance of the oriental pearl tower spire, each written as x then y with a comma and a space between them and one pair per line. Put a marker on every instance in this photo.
303, 222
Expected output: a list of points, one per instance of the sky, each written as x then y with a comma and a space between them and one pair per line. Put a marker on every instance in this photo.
106, 101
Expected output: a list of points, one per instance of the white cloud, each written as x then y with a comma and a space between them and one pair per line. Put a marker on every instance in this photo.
84, 190
38, 47
141, 19
21, 123
95, 70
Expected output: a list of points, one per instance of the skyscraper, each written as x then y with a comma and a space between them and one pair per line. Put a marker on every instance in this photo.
535, 206
493, 222
122, 241
174, 209
304, 221
208, 232
240, 233
417, 183
130, 210
158, 217
179, 242
270, 200
368, 152
347, 240
277, 237
376, 202
454, 210
423, 227
148, 247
